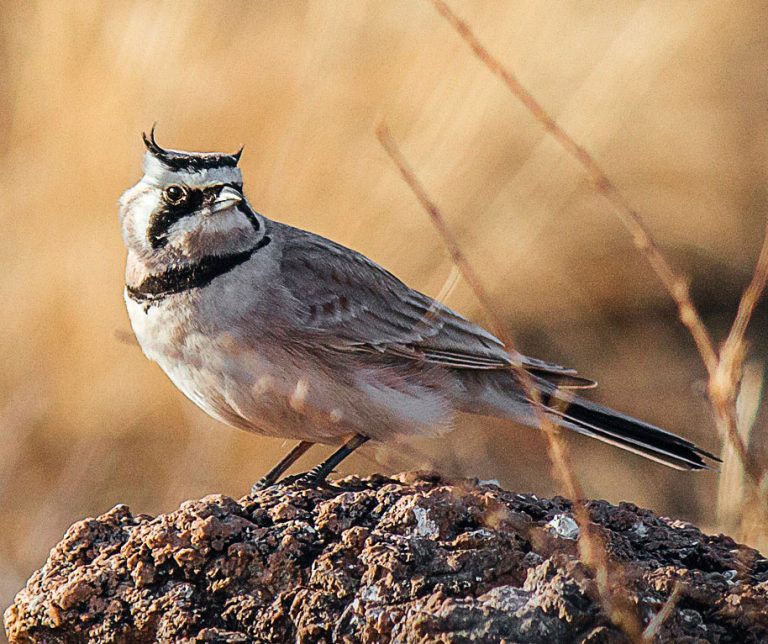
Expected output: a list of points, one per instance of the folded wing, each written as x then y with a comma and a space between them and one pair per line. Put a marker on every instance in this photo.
360, 306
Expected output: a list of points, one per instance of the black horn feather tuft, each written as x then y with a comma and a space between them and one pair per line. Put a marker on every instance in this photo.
151, 144
180, 160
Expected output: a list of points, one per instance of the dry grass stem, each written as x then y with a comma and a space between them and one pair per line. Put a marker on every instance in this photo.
659, 618
458, 257
751, 296
641, 236
724, 386
557, 450
724, 367
730, 486
591, 547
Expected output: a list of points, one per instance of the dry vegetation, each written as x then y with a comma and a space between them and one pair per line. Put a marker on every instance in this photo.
668, 98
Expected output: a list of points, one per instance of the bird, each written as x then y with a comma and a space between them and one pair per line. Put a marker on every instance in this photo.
281, 332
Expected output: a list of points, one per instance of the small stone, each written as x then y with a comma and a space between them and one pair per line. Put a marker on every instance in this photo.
564, 526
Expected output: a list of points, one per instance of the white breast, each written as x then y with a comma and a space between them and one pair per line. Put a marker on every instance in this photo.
195, 338
225, 347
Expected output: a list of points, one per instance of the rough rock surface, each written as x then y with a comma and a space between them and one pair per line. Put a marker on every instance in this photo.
412, 559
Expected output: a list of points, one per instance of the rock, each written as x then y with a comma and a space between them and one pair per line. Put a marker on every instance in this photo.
416, 558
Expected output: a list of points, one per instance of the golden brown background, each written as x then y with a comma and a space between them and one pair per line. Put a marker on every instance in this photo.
669, 96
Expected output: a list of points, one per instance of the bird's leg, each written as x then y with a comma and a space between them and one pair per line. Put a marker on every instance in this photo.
270, 478
320, 472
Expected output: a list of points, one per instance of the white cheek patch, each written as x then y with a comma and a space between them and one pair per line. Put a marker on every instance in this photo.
157, 173
136, 207
144, 206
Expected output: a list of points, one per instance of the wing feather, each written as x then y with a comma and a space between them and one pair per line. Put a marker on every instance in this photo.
363, 307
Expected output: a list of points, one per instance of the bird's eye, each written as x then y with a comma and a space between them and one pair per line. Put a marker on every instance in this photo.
174, 195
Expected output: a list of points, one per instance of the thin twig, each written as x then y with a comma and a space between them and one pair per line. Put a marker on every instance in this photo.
591, 546
663, 615
465, 268
565, 472
723, 374
751, 295
730, 486
641, 236
724, 385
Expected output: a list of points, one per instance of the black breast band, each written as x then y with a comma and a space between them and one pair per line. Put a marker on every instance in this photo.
178, 280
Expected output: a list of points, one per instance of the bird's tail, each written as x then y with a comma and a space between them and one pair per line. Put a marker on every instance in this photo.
501, 396
626, 432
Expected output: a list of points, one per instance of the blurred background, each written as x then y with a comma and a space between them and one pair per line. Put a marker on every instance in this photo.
670, 98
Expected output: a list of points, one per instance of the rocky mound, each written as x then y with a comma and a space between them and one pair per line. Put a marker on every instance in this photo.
416, 558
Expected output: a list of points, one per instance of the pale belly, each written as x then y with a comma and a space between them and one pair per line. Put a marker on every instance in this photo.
266, 388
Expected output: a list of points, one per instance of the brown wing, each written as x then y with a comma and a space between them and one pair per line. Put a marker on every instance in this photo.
360, 306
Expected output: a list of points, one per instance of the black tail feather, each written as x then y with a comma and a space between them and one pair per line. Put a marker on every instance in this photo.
634, 435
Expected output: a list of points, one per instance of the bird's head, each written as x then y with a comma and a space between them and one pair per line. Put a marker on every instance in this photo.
187, 207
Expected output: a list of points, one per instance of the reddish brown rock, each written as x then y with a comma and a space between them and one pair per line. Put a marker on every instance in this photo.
412, 559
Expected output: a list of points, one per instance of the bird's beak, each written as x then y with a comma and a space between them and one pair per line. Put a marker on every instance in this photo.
228, 197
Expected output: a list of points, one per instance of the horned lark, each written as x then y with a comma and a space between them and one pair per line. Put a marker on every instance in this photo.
281, 332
